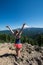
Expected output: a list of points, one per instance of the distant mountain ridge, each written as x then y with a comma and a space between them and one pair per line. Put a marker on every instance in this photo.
26, 31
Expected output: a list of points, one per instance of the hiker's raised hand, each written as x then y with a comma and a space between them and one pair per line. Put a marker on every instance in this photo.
10, 29
7, 26
24, 24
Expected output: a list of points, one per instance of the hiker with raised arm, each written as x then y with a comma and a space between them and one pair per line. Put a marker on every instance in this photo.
17, 35
10, 29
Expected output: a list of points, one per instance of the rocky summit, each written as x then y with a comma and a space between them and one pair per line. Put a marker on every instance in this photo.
30, 55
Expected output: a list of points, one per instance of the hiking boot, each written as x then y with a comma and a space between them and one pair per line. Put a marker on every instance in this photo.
18, 60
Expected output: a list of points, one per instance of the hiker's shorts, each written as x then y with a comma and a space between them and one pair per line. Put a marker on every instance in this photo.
18, 45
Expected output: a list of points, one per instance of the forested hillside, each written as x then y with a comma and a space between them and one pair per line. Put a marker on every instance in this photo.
29, 35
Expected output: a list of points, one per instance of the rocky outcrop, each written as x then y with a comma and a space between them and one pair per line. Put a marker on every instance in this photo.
30, 55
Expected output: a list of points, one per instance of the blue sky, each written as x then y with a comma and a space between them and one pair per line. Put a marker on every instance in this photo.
16, 12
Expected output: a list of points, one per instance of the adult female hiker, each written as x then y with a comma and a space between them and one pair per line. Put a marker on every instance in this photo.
17, 35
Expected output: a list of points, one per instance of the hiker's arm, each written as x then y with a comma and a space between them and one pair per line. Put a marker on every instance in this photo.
21, 29
10, 29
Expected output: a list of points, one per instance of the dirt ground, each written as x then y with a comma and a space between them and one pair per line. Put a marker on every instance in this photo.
30, 55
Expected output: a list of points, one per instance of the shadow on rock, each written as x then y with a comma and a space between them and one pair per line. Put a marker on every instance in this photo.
7, 55
38, 61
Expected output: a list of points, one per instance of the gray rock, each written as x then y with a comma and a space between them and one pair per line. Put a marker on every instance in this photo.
30, 55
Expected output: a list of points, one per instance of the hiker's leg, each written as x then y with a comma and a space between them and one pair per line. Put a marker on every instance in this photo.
18, 52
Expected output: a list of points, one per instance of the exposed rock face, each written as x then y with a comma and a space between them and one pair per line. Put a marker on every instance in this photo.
30, 55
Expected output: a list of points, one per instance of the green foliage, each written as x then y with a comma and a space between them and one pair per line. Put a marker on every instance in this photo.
39, 39
36, 40
6, 38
